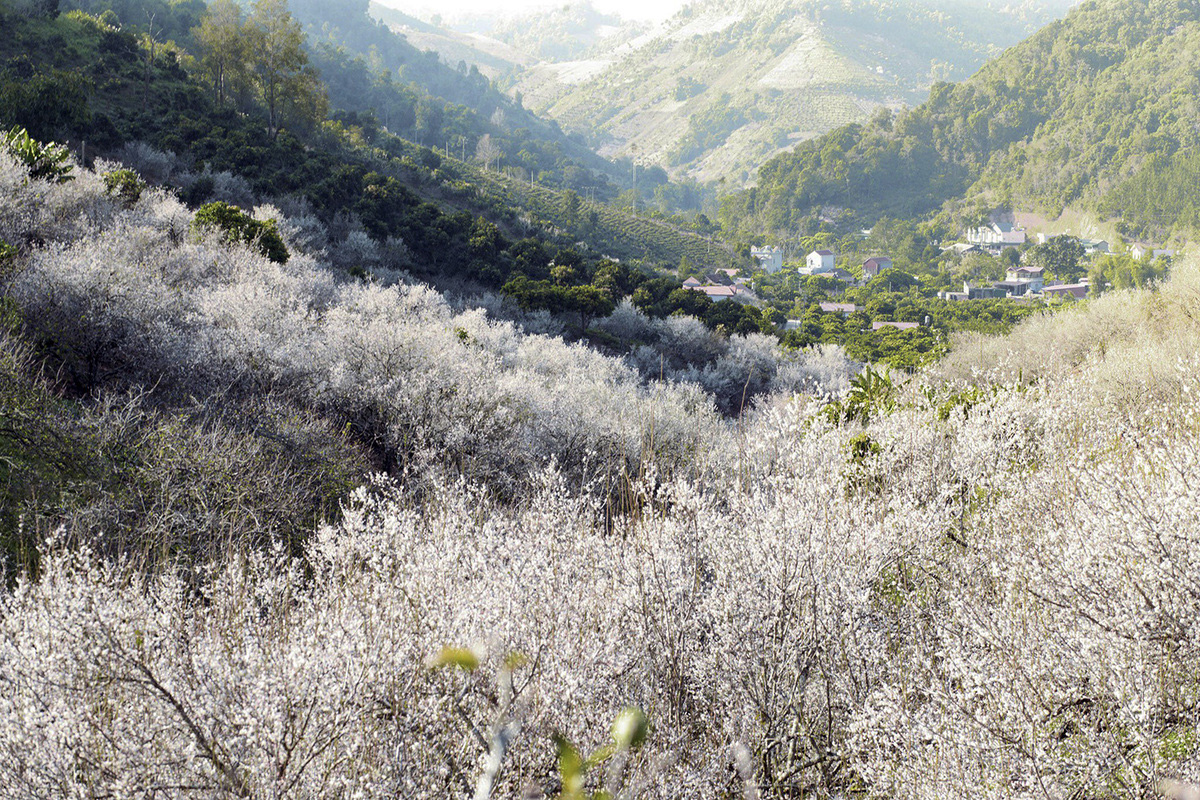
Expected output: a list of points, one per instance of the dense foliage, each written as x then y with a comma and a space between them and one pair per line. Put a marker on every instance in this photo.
302, 527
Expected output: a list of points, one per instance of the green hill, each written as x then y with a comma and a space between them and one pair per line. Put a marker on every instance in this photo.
1095, 111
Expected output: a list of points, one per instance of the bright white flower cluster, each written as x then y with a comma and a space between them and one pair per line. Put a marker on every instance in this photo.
988, 592
136, 299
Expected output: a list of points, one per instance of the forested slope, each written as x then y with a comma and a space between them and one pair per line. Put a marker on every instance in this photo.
383, 202
1094, 110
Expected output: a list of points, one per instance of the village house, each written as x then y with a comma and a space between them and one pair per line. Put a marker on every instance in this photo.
1066, 291
875, 265
720, 284
996, 235
819, 261
1140, 250
838, 308
904, 326
718, 293
983, 292
1093, 246
1027, 274
769, 258
1012, 288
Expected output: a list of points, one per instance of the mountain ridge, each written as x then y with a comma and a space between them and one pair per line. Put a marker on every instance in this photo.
762, 74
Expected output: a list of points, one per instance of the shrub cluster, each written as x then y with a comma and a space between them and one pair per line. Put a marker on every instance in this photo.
236, 225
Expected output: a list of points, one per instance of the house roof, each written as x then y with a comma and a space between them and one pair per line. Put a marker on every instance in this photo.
822, 252
904, 326
1073, 289
691, 283
838, 308
877, 260
718, 291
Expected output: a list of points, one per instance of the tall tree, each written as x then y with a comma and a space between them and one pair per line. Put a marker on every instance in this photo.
487, 150
223, 47
289, 89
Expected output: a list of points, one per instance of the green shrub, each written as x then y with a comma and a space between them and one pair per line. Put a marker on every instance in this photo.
238, 226
45, 161
124, 185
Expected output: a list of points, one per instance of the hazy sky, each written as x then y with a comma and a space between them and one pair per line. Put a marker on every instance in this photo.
450, 9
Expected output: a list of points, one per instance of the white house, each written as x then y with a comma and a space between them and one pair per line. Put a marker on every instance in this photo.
1027, 274
819, 261
1140, 250
769, 258
996, 235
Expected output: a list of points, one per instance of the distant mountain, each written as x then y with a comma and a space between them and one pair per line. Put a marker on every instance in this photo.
721, 87
562, 33
1097, 111
491, 56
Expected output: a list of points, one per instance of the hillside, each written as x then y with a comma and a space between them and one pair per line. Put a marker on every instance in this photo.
492, 57
722, 86
560, 33
270, 532
335, 466
383, 204
1095, 111
462, 105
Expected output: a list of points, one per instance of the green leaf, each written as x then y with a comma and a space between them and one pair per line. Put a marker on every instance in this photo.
571, 769
455, 657
629, 728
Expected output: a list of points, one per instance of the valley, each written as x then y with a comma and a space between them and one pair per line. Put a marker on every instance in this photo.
779, 400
